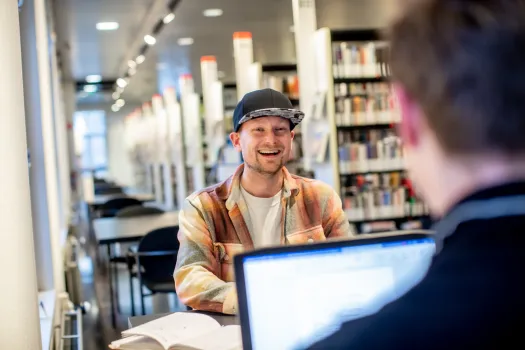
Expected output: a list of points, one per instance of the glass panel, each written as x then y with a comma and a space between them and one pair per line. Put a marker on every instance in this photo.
86, 154
96, 123
98, 151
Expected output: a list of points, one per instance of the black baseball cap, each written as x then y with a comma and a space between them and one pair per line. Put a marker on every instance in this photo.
265, 103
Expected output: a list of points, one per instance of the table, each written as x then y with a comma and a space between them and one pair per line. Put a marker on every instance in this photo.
120, 230
224, 320
94, 203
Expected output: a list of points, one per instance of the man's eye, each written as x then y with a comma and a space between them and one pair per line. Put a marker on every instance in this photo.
259, 129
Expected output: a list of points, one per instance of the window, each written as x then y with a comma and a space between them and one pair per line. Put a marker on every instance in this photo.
90, 141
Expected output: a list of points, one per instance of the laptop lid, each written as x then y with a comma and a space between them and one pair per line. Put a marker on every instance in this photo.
293, 296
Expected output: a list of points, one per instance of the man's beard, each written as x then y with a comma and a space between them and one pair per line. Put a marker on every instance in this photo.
259, 168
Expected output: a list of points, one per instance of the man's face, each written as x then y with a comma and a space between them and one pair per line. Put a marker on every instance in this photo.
265, 143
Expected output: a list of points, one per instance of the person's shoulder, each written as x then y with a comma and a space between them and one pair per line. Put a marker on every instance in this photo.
209, 197
394, 322
313, 185
443, 306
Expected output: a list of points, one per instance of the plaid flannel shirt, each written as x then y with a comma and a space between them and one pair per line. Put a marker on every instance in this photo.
213, 228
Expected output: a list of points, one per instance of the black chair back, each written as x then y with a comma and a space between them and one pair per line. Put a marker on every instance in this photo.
138, 210
112, 206
159, 269
108, 190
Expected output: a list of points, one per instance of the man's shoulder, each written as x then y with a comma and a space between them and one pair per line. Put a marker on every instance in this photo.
419, 311
445, 308
214, 191
313, 186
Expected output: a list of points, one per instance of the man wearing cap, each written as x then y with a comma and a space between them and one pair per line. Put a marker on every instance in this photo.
260, 205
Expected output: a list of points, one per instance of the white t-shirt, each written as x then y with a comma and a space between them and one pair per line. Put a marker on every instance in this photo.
265, 216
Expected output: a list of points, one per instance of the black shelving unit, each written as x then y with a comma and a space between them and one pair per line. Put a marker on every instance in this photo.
366, 127
363, 80
398, 223
365, 34
279, 67
360, 173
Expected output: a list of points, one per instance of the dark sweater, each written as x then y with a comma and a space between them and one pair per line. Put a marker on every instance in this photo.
473, 296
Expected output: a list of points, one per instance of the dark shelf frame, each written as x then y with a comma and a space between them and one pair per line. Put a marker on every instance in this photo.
360, 173
357, 35
365, 127
279, 67
360, 80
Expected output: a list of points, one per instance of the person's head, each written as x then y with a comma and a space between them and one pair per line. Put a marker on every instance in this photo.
459, 78
263, 130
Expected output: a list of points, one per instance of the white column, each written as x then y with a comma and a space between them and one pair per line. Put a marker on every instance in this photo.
60, 125
19, 318
152, 161
255, 76
305, 25
192, 130
68, 89
209, 76
218, 135
41, 138
162, 150
176, 137
243, 56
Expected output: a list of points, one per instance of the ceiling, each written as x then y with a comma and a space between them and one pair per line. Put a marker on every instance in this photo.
87, 51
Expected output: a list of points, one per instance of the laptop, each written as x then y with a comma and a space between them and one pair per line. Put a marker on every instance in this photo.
290, 297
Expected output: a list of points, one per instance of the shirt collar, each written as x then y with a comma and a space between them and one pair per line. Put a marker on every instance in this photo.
230, 190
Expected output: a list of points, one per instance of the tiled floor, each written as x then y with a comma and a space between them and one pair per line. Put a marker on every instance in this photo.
97, 329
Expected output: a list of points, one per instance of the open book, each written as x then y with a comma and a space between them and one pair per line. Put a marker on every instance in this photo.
184, 331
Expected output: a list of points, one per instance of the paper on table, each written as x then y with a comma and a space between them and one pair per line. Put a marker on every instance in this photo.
224, 338
174, 329
136, 343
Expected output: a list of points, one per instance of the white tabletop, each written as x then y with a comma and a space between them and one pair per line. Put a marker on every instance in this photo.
112, 230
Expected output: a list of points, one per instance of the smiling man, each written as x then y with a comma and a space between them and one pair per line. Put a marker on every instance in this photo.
260, 205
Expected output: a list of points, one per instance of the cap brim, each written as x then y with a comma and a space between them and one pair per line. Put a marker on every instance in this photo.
293, 115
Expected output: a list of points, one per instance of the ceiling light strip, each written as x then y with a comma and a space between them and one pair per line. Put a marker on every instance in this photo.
148, 39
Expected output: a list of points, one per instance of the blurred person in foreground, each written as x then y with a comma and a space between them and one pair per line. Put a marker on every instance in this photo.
459, 75
261, 205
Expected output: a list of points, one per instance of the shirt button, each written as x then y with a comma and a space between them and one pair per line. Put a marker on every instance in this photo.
310, 240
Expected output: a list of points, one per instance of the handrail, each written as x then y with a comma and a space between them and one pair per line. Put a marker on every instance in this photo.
78, 334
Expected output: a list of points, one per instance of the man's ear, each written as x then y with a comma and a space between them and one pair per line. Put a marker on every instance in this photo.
236, 140
411, 116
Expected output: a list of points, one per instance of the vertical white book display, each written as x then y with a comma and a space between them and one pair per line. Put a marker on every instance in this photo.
213, 108
243, 57
177, 172
163, 161
192, 124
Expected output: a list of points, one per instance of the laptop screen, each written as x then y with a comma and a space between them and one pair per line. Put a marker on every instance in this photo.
295, 298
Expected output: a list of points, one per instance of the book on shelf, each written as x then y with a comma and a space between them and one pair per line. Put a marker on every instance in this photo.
181, 331
365, 104
359, 59
374, 150
382, 204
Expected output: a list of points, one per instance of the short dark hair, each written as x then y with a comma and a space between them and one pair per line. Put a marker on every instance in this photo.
463, 61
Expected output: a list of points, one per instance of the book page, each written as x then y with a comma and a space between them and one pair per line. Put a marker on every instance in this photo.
136, 343
224, 338
175, 328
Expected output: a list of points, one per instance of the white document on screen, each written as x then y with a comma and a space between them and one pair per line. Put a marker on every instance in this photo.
299, 301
